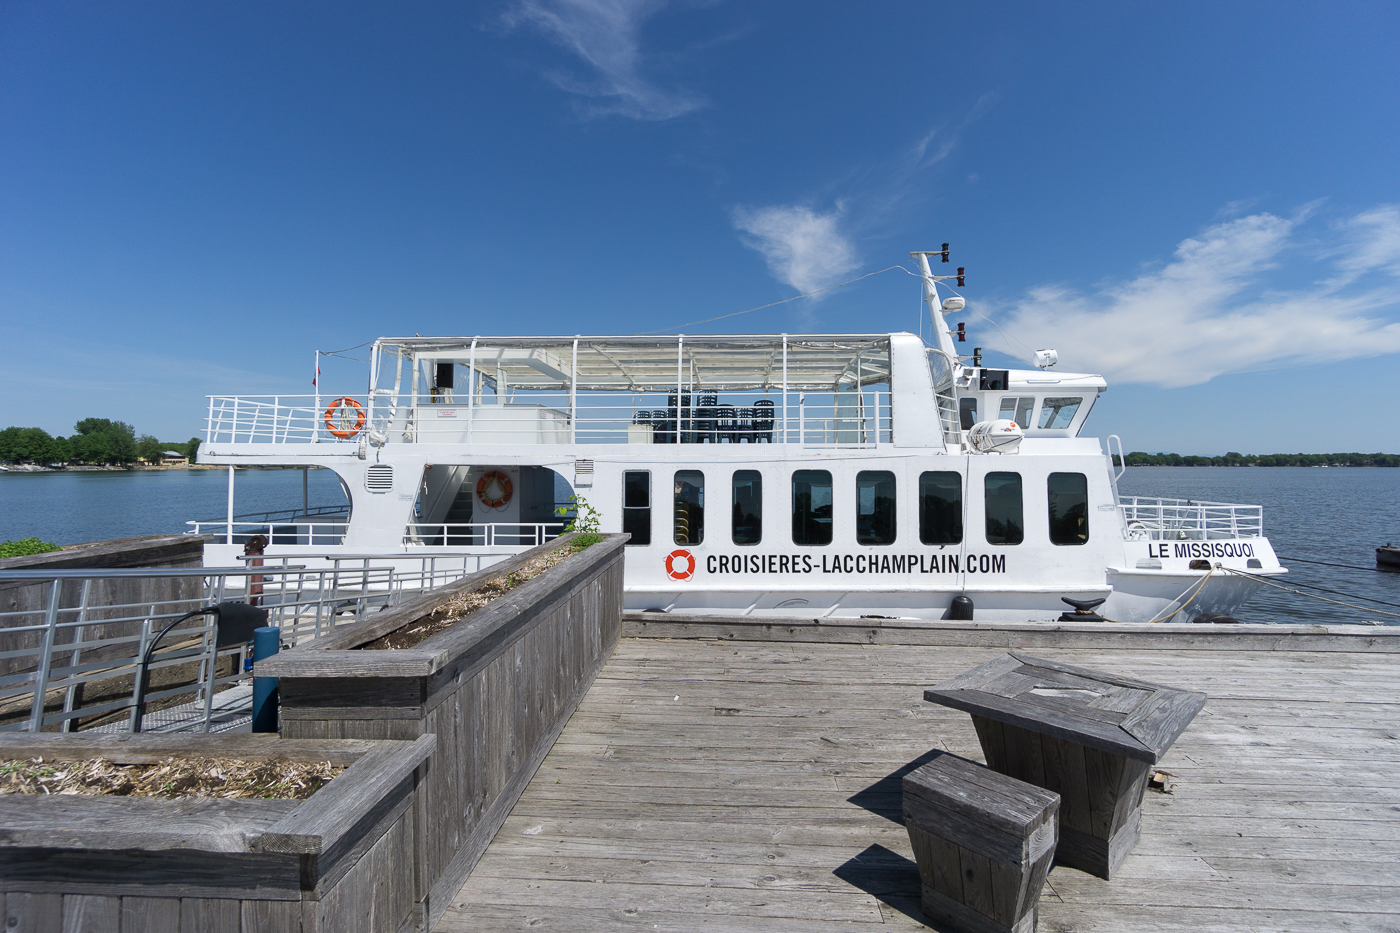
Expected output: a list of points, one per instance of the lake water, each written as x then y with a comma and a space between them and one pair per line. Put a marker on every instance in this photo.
1334, 515
71, 507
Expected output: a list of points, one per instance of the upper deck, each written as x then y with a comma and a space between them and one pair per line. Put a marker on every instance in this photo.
814, 390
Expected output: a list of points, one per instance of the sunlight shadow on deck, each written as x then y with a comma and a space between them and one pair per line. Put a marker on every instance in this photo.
888, 877
886, 796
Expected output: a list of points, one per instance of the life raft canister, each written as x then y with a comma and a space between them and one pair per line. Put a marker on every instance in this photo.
494, 489
345, 417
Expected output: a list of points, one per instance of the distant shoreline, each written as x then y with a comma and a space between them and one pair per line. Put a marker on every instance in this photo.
134, 469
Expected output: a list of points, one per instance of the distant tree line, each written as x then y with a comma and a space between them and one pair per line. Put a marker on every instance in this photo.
93, 441
1232, 459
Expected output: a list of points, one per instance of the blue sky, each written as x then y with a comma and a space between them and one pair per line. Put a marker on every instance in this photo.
1198, 200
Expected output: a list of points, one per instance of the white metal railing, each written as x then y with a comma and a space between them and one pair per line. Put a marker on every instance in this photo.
812, 419
52, 651
268, 419
842, 419
315, 534
1188, 519
481, 534
292, 514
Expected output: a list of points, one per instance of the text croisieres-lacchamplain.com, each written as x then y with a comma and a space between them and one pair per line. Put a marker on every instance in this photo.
855, 563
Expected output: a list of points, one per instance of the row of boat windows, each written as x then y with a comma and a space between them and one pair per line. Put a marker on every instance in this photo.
940, 497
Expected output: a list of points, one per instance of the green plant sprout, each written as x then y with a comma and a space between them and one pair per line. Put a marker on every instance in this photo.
586, 521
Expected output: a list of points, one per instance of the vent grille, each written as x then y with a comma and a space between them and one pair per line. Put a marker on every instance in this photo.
583, 473
380, 478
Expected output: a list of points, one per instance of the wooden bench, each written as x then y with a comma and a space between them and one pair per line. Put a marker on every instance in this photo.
983, 842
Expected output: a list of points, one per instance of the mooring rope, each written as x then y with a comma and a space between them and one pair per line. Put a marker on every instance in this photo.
1199, 586
1335, 602
1325, 563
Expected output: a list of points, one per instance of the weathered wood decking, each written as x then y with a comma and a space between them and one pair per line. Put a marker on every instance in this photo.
743, 785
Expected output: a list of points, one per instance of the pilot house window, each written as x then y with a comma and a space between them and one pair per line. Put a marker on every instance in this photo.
940, 508
1005, 519
1017, 409
875, 507
690, 507
811, 507
636, 506
748, 507
967, 414
1069, 508
1057, 413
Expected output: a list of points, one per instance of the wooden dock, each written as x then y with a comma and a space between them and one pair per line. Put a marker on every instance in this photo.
713, 783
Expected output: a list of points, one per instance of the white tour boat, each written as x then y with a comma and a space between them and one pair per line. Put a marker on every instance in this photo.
820, 475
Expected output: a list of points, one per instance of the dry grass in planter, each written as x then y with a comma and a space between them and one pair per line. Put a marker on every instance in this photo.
464, 604
172, 778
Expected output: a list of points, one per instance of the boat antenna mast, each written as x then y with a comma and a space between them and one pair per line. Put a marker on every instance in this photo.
937, 308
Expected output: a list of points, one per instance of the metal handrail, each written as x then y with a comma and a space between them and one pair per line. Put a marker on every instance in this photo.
302, 600
561, 417
277, 532
1187, 519
482, 534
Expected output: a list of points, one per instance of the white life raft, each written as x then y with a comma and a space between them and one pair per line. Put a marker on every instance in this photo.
995, 437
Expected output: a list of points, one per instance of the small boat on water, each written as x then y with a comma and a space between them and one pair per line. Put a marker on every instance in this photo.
821, 475
1388, 557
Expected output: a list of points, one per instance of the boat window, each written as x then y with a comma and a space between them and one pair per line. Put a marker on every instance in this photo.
1018, 409
1069, 508
636, 506
967, 411
875, 507
811, 507
1005, 520
940, 508
1058, 412
748, 507
690, 507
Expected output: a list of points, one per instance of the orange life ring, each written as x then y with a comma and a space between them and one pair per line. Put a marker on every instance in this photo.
676, 573
494, 489
345, 417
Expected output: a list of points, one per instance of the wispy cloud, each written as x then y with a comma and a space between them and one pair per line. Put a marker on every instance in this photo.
606, 35
804, 249
1211, 310
1371, 241
809, 250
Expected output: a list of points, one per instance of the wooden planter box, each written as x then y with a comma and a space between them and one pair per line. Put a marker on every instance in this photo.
495, 689
346, 860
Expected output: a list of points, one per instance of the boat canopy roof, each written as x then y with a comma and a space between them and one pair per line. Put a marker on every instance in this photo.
623, 363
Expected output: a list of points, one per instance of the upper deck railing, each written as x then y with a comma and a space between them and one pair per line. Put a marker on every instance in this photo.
839, 419
1190, 520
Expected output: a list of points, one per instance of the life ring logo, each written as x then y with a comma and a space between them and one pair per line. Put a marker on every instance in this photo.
680, 565
494, 489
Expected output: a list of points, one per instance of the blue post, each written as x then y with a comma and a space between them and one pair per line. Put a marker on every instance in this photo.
266, 641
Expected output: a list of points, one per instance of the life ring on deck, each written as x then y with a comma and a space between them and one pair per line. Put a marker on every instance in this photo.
345, 417
494, 489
